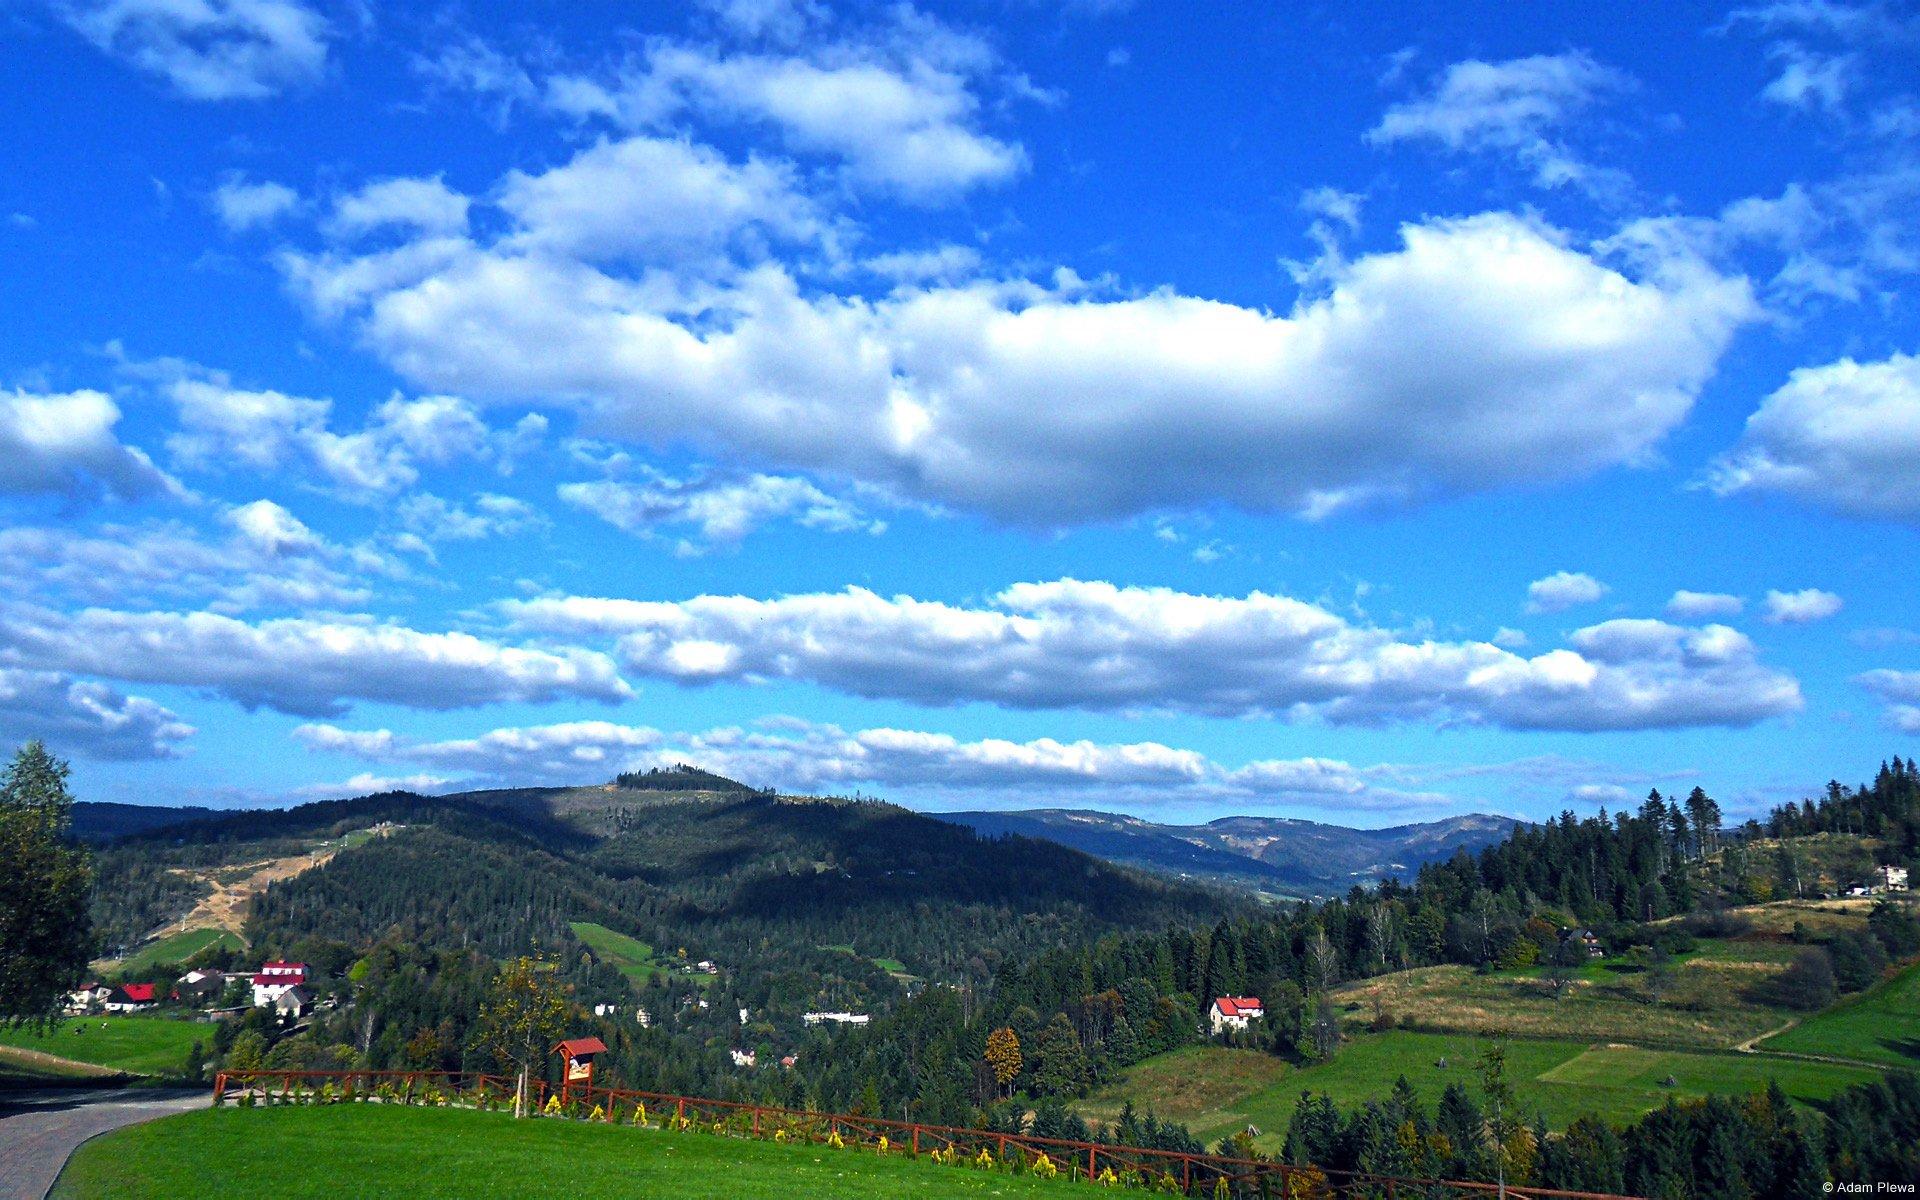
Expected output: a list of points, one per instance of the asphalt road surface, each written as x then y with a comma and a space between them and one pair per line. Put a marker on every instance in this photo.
40, 1129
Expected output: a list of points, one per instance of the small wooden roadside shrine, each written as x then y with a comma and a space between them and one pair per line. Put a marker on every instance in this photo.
577, 1065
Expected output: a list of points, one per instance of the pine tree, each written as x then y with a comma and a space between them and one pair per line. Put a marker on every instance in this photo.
46, 935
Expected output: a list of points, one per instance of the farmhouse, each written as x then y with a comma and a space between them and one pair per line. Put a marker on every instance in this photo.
835, 1018
200, 987
295, 1002
1586, 939
131, 997
1893, 879
1233, 1012
275, 979
744, 1058
88, 997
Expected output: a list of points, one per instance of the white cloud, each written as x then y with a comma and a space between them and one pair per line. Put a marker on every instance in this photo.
1845, 436
1563, 590
209, 49
719, 509
223, 426
646, 196
81, 717
241, 205
63, 444
777, 20
369, 784
300, 665
271, 560
438, 520
801, 756
1695, 606
1510, 107
1095, 646
1808, 80
1900, 692
1801, 607
1049, 405
424, 204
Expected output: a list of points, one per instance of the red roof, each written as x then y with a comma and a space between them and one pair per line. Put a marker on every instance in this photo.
140, 992
277, 980
1240, 1006
575, 1047
283, 968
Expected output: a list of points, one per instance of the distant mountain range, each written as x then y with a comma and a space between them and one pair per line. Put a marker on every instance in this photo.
1272, 853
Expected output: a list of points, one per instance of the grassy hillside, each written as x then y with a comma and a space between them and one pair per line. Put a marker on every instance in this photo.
1881, 1025
138, 1045
378, 1150
632, 957
1216, 1091
181, 948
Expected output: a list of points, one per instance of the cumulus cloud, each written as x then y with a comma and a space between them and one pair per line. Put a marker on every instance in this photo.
85, 718
896, 107
1048, 405
1510, 107
803, 756
1801, 607
209, 49
1095, 646
242, 206
435, 519
63, 444
1695, 606
427, 205
655, 197
1563, 590
269, 559
1900, 692
1844, 436
718, 509
223, 426
300, 665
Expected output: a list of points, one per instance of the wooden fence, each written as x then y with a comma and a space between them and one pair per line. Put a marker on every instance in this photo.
1167, 1171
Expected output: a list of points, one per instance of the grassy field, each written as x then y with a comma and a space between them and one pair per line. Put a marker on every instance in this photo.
1708, 1009
1881, 1025
630, 956
181, 948
1216, 1091
378, 1150
138, 1045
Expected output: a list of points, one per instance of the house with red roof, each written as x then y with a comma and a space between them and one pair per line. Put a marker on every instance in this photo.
1233, 1012
275, 979
131, 997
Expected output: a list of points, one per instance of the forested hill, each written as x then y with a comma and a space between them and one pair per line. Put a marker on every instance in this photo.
1303, 858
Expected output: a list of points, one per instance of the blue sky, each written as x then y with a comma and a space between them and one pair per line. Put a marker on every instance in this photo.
1178, 409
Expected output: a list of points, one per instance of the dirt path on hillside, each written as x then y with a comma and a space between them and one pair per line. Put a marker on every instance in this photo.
228, 904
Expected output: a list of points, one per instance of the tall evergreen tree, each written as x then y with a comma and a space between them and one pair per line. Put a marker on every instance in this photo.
45, 933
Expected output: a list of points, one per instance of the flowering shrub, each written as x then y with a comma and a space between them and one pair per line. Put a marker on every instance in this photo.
836, 1141
640, 1114
779, 1135
985, 1162
1220, 1189
945, 1157
1107, 1178
553, 1105
598, 1114
1044, 1168
885, 1145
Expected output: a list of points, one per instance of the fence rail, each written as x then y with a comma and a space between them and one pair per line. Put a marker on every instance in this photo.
1208, 1175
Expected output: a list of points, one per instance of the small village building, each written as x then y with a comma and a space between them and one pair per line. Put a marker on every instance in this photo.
1234, 1012
87, 998
835, 1018
1893, 879
200, 987
295, 1002
744, 1058
131, 997
275, 979
1586, 939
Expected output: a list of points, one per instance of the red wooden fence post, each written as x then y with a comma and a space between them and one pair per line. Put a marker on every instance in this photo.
1092, 1159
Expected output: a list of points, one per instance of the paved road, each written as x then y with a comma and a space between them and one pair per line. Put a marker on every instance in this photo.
39, 1129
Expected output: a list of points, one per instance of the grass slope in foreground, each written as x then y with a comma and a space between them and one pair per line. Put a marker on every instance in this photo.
1880, 1025
389, 1150
138, 1045
1216, 1091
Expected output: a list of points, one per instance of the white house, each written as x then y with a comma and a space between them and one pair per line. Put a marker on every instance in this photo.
89, 997
835, 1018
275, 979
1893, 879
743, 1058
1233, 1012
